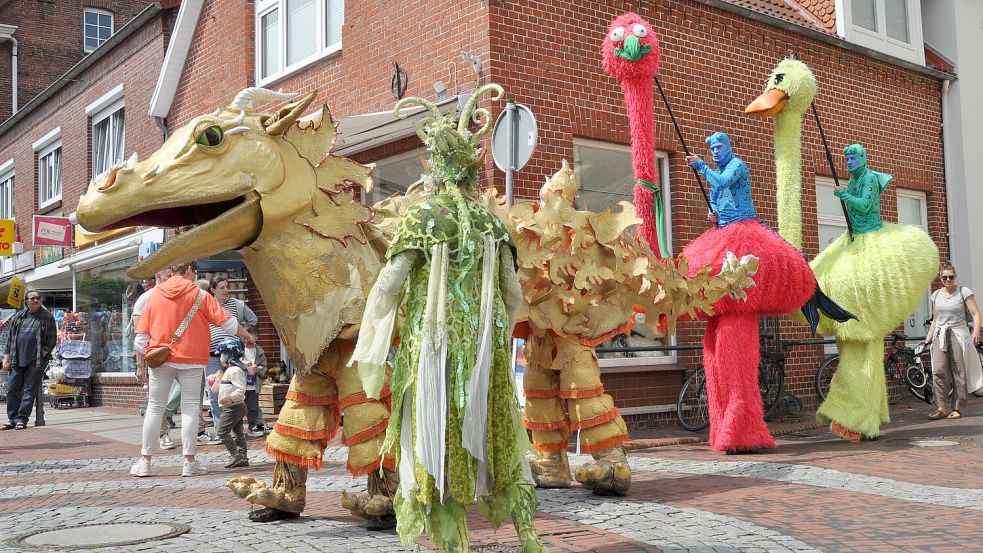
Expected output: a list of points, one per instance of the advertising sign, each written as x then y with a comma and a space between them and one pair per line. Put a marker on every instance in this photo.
15, 297
52, 231
7, 236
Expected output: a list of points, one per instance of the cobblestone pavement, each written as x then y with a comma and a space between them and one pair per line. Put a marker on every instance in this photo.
813, 493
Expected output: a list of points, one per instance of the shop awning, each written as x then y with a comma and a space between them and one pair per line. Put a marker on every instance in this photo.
357, 133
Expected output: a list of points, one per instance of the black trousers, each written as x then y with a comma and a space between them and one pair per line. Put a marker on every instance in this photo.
22, 392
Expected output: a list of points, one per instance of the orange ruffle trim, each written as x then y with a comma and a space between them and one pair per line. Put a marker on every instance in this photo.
604, 444
360, 397
301, 397
309, 462
596, 421
387, 462
550, 448
555, 425
365, 435
323, 436
582, 394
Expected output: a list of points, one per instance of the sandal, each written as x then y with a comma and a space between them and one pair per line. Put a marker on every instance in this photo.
20, 426
937, 414
954, 414
8, 426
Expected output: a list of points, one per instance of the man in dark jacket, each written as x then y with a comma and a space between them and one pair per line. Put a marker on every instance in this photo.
28, 350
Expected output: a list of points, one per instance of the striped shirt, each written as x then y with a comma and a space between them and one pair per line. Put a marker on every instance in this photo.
242, 313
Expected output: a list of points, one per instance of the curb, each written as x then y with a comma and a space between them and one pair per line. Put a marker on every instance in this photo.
652, 443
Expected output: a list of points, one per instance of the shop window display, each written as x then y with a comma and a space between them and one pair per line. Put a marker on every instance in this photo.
101, 297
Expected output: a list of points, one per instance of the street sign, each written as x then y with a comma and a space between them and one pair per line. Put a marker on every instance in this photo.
7, 236
15, 297
52, 231
513, 141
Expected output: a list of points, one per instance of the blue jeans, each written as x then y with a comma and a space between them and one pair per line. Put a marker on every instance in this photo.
22, 391
214, 365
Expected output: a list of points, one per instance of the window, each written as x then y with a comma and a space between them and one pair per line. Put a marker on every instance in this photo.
108, 140
7, 193
604, 174
294, 33
889, 26
394, 174
48, 150
912, 211
98, 28
832, 222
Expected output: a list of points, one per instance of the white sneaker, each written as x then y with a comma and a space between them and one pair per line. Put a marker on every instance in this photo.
166, 443
140, 469
193, 469
206, 439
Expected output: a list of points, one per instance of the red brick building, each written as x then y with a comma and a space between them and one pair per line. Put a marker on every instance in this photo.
715, 57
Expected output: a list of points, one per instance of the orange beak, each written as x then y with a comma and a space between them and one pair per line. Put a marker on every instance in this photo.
768, 104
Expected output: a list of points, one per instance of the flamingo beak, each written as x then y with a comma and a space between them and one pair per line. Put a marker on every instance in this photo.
632, 49
768, 104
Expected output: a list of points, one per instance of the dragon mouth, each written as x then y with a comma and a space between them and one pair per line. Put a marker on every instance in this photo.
218, 227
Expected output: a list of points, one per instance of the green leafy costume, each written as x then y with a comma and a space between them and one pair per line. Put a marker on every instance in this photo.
456, 425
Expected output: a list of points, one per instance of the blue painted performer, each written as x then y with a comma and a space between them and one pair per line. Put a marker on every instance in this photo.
730, 182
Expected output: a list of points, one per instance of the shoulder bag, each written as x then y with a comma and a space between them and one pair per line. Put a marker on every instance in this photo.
157, 356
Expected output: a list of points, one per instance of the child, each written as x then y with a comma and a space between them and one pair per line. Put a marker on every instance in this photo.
232, 398
255, 360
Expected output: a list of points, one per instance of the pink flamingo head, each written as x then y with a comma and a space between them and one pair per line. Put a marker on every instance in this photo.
631, 49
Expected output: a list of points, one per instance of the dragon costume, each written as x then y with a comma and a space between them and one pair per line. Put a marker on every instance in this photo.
267, 185
456, 428
880, 273
585, 276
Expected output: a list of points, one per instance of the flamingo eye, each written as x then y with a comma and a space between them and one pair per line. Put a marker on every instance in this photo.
639, 30
779, 78
617, 34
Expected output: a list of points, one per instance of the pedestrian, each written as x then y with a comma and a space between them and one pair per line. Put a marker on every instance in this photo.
953, 345
219, 288
176, 317
29, 343
254, 359
232, 398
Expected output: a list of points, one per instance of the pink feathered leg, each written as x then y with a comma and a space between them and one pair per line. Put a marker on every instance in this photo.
712, 371
736, 420
646, 211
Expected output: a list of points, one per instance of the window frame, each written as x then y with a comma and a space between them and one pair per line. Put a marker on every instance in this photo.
8, 196
922, 199
644, 363
370, 197
322, 51
913, 51
105, 115
836, 219
112, 26
44, 147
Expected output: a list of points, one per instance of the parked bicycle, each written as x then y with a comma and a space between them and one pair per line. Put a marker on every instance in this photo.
903, 370
692, 406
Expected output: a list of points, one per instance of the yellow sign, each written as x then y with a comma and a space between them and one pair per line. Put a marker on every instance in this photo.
15, 297
7, 236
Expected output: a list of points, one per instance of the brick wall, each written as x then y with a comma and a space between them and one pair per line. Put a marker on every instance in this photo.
50, 41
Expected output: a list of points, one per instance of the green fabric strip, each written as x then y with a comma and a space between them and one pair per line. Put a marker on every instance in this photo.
660, 227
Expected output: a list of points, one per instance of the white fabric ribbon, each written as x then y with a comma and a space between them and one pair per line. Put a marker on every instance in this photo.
431, 375
475, 427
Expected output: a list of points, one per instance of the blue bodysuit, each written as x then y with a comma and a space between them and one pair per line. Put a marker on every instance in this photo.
730, 184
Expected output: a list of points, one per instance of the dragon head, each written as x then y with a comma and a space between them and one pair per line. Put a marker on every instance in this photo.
218, 174
631, 49
791, 86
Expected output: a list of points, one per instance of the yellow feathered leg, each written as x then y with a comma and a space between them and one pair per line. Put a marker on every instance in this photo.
857, 399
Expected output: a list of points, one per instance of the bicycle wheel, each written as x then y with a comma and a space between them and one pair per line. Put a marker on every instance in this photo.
894, 374
824, 375
691, 408
771, 382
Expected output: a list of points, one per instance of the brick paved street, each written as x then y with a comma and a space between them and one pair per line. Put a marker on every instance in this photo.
813, 494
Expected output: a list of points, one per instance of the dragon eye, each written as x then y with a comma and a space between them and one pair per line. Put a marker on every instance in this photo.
617, 34
639, 30
212, 136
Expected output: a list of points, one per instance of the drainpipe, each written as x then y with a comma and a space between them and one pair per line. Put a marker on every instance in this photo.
13, 76
945, 167
162, 124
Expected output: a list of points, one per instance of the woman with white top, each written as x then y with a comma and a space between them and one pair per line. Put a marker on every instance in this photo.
953, 345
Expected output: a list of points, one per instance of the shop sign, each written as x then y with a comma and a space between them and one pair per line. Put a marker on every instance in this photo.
50, 254
52, 231
8, 235
15, 297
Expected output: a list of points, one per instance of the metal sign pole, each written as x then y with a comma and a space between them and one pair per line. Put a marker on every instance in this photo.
510, 165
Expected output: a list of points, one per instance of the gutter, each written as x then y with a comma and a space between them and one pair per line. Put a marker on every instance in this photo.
177, 53
130, 28
824, 37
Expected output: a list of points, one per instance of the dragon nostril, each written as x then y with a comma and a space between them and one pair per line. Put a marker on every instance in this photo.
110, 180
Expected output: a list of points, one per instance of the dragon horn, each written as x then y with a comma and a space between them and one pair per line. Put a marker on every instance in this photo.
469, 113
248, 97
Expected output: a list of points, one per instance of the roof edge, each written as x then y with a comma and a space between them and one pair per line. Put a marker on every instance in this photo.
175, 58
125, 31
827, 38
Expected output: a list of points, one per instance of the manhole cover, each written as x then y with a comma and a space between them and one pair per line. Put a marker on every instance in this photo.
90, 536
933, 443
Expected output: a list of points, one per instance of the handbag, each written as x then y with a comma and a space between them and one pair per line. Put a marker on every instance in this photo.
157, 356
